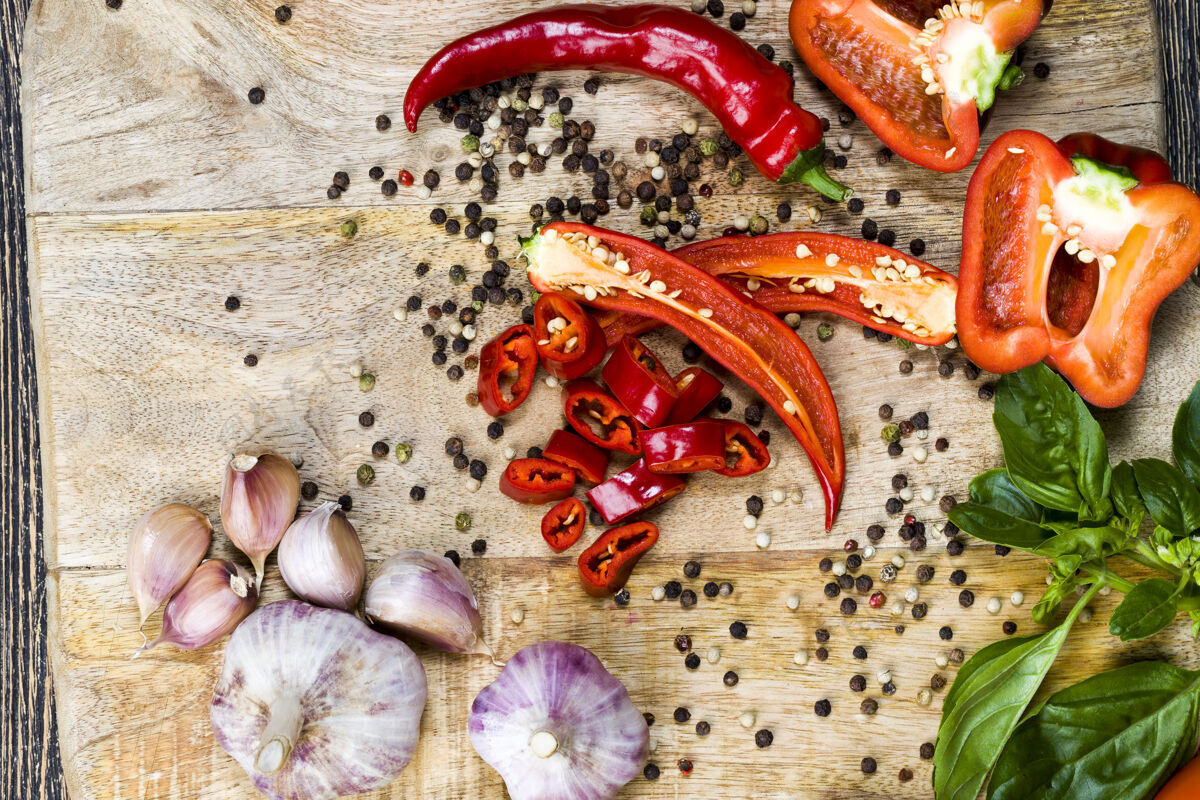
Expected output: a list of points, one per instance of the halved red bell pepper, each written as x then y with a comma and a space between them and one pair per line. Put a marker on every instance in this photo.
563, 525
867, 282
588, 461
630, 492
569, 340
697, 388
919, 73
640, 382
740, 334
605, 567
507, 365
690, 447
1068, 250
745, 453
599, 418
536, 480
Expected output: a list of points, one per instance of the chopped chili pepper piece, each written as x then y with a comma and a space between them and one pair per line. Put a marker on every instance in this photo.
690, 447
1068, 250
918, 73
563, 525
569, 340
867, 282
640, 382
744, 337
599, 418
605, 567
750, 97
745, 453
588, 460
697, 388
630, 492
507, 365
536, 480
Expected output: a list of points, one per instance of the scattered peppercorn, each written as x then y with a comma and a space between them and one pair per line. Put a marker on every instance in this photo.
692, 661
711, 589
687, 598
822, 708
346, 502
672, 588
868, 766
730, 678
958, 577
479, 546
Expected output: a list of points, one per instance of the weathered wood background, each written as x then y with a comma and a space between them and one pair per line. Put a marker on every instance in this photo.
155, 190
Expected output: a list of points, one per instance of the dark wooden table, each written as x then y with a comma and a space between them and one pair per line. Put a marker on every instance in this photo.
28, 738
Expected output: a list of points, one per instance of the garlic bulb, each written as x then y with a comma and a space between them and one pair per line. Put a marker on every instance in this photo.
215, 599
322, 560
258, 501
165, 547
314, 704
557, 725
425, 596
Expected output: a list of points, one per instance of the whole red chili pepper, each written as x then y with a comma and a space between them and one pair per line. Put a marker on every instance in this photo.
750, 97
697, 388
599, 418
745, 453
741, 335
691, 447
640, 382
507, 365
569, 340
605, 567
536, 480
630, 492
563, 525
588, 460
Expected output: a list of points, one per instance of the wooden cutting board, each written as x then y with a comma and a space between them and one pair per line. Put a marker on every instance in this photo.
155, 191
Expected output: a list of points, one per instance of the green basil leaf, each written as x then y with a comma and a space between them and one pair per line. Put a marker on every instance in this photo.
1147, 608
1119, 734
1054, 450
996, 489
1185, 436
1125, 494
996, 526
985, 706
1089, 543
1173, 502
1064, 581
982, 658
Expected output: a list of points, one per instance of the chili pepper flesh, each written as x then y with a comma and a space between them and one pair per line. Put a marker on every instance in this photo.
605, 566
599, 418
536, 480
507, 365
572, 450
745, 453
569, 340
563, 525
640, 382
697, 389
633, 491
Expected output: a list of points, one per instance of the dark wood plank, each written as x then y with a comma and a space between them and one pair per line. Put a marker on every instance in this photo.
28, 737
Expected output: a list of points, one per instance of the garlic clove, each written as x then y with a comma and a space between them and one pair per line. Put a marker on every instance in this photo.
165, 547
321, 558
424, 595
217, 596
258, 501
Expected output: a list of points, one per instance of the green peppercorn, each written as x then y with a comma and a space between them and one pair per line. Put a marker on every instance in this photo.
470, 143
366, 474
403, 452
349, 228
518, 104
890, 433
458, 273
758, 225
477, 305
904, 344
649, 215
366, 382
824, 331
534, 294
708, 147
555, 119
736, 178
462, 521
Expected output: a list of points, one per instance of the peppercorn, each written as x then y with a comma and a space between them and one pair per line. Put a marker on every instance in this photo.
906, 367
849, 606
845, 582
308, 490
478, 469
946, 368
738, 630
863, 584
937, 682
895, 449
1009, 627
893, 505
687, 598
673, 588
479, 546
971, 371
736, 178
822, 654
691, 569
754, 414
1041, 70
946, 633
924, 573
870, 229
868, 766
919, 610
958, 577
887, 238
692, 661
822, 708
966, 598
256, 95
987, 391
927, 751
651, 771
333, 193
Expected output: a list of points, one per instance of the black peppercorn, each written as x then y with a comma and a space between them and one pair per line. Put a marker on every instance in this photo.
937, 682
863, 584
282, 13
256, 95
893, 504
651, 772
868, 766
958, 577
308, 490
946, 368
845, 582
858, 683
875, 532
822, 708
832, 590
691, 569
966, 598
432, 179
346, 502
895, 449
849, 606
479, 547
924, 573
954, 547
887, 237
461, 461
738, 630
987, 391
380, 449
673, 589
692, 661
1041, 70
822, 654
1009, 627
383, 122
946, 633
754, 414
478, 469
919, 610
437, 216
366, 419
416, 493
869, 707
764, 738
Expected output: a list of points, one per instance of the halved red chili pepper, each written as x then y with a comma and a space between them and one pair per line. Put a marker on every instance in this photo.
563, 525
918, 73
1068, 250
745, 453
690, 447
536, 480
569, 340
630, 492
640, 382
750, 97
605, 567
599, 418
588, 461
867, 282
507, 365
744, 337
697, 388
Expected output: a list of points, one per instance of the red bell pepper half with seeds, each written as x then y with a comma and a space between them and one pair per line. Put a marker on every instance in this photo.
605, 567
569, 340
740, 334
1068, 250
536, 480
919, 74
599, 418
563, 525
507, 365
633, 491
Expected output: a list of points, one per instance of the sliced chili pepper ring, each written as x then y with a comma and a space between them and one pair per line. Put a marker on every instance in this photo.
563, 525
633, 491
507, 365
569, 340
745, 453
599, 418
536, 480
697, 389
689, 447
605, 566
588, 460
640, 382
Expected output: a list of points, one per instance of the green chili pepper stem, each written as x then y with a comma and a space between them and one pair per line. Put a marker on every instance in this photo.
808, 168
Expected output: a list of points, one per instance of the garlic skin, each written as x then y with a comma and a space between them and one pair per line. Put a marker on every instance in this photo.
314, 704
557, 725
321, 558
165, 547
424, 595
258, 501
218, 596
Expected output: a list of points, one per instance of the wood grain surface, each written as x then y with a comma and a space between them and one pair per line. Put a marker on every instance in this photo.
156, 190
